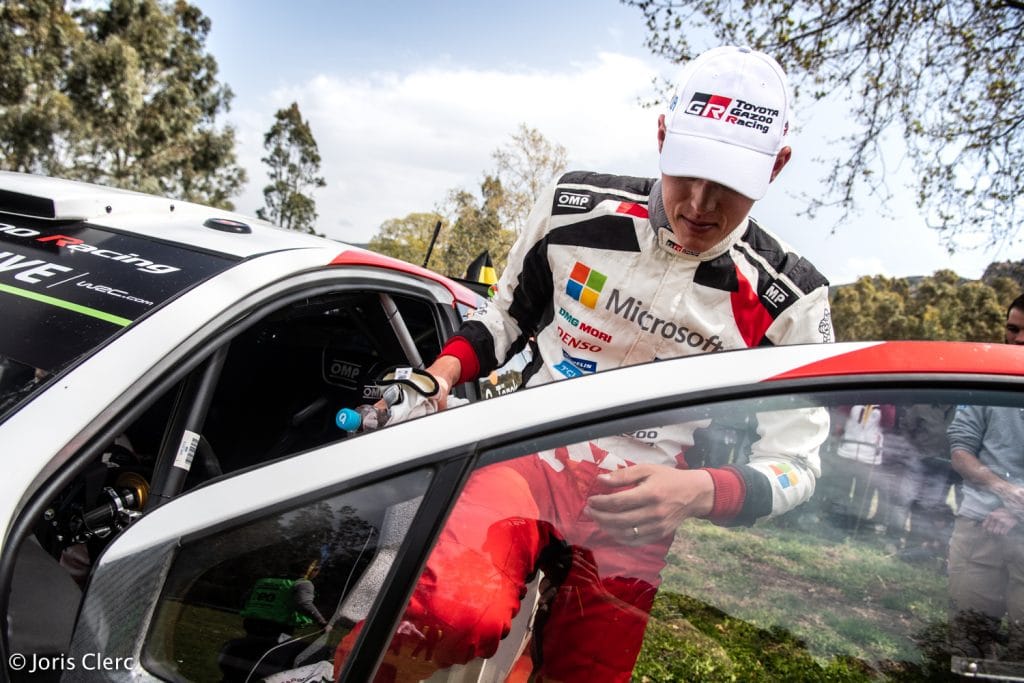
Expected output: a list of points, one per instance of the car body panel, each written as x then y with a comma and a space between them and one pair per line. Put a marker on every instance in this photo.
487, 424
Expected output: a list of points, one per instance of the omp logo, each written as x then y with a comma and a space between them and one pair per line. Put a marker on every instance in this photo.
583, 326
736, 112
585, 284
775, 295
633, 310
341, 373
574, 200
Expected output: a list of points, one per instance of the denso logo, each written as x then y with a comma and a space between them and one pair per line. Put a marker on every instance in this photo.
574, 343
633, 310
584, 327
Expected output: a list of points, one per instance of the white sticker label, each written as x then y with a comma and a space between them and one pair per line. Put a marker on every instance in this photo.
403, 373
186, 450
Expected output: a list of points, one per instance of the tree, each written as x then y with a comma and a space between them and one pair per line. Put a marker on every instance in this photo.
944, 76
407, 238
469, 225
525, 167
942, 306
475, 226
123, 94
37, 40
293, 160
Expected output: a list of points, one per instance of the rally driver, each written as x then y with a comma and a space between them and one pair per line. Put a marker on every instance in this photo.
614, 271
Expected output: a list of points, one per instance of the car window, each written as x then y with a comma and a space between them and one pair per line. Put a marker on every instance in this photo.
274, 391
854, 583
250, 601
67, 289
269, 392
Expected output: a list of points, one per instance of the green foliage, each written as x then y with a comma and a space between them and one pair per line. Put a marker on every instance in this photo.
406, 238
943, 76
293, 162
470, 227
122, 94
940, 307
475, 226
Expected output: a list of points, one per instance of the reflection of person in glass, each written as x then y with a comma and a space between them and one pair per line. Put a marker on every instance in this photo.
986, 552
279, 605
613, 271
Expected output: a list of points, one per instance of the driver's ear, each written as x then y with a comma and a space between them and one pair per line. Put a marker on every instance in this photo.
781, 159
661, 132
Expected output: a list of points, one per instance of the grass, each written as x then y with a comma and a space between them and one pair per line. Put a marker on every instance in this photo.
774, 603
762, 604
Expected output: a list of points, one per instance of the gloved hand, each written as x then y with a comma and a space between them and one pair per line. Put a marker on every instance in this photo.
421, 393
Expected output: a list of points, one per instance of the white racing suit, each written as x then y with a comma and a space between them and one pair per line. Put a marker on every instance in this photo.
598, 282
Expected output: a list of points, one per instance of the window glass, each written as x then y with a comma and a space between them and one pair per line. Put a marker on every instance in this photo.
253, 601
66, 289
848, 537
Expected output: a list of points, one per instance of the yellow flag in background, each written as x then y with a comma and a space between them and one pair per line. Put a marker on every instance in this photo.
482, 269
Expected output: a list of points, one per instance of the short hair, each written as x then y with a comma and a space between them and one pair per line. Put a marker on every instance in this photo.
1017, 303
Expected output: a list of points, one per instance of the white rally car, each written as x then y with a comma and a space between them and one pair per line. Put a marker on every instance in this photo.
170, 376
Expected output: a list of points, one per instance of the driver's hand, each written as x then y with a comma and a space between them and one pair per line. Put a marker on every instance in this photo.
999, 522
656, 502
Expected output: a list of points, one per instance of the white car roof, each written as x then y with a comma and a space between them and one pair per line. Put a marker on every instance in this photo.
164, 219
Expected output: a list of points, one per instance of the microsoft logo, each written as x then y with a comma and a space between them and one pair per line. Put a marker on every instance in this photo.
785, 474
585, 284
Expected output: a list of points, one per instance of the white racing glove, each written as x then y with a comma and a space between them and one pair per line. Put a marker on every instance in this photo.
415, 389
407, 393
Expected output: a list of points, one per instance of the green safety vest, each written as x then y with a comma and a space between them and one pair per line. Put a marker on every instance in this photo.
271, 599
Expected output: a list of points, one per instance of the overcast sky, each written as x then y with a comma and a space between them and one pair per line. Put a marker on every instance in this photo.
409, 99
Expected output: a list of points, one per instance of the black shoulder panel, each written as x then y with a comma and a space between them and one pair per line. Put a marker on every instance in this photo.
624, 183
615, 233
718, 273
798, 269
602, 186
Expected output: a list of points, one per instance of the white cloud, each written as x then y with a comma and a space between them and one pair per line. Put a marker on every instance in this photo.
393, 144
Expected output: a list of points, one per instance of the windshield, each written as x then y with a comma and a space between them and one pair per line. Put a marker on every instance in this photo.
67, 289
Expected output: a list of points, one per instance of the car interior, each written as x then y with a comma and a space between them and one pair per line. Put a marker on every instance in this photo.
272, 391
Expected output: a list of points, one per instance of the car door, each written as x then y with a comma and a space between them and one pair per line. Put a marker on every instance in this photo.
260, 383
818, 590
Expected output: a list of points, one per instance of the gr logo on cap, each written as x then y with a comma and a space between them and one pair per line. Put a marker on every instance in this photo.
727, 120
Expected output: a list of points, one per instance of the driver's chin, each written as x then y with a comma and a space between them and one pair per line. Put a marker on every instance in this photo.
696, 241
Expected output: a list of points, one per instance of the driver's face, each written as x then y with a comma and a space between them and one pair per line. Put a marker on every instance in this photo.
701, 212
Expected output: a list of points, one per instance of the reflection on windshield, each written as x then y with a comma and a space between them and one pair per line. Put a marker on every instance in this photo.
840, 558
18, 382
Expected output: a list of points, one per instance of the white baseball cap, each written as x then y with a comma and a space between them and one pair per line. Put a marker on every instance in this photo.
727, 119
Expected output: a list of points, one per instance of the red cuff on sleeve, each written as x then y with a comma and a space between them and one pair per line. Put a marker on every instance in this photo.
461, 349
730, 492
